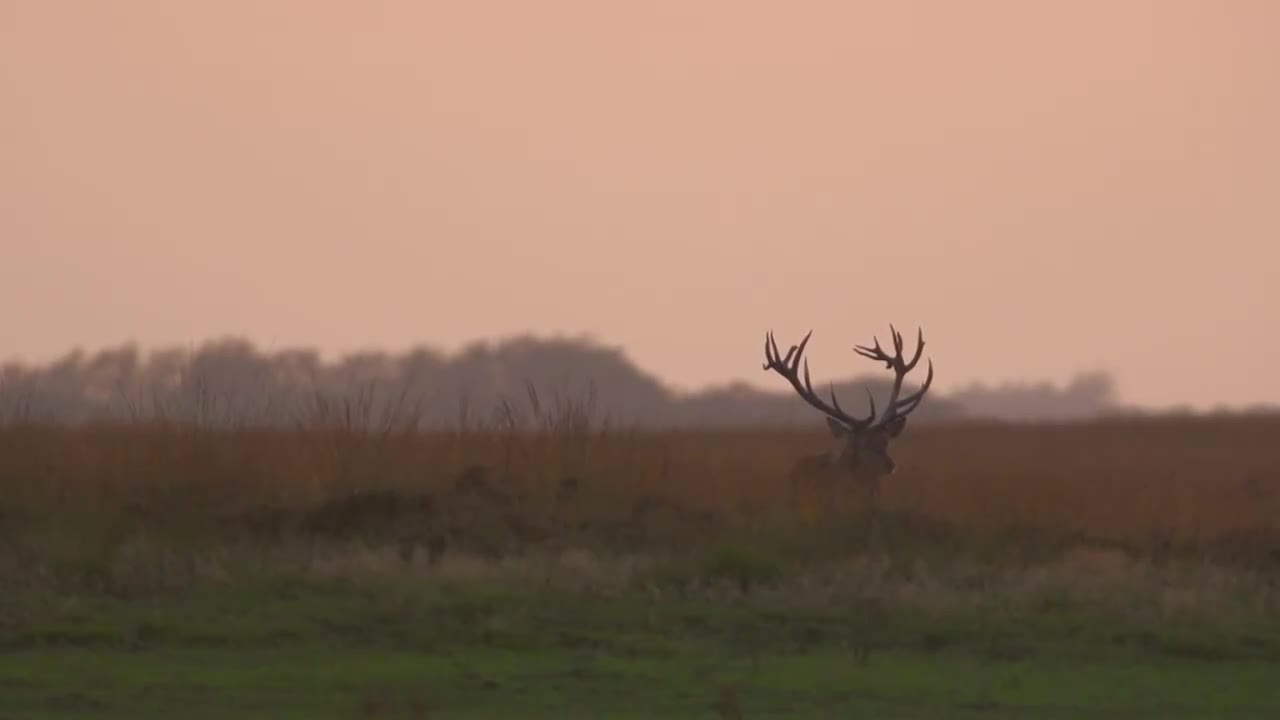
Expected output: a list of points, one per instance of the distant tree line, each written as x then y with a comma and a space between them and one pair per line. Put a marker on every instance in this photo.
520, 380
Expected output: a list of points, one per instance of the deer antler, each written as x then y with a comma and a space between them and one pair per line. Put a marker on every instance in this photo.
788, 366
899, 408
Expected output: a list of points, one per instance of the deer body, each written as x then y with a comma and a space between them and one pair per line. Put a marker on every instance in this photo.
852, 473
820, 486
824, 484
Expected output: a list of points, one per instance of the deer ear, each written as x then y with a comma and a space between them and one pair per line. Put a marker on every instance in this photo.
838, 429
896, 426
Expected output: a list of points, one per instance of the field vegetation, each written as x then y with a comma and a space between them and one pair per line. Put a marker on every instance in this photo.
543, 565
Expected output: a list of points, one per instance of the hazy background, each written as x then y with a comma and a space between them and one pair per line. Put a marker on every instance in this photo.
1048, 188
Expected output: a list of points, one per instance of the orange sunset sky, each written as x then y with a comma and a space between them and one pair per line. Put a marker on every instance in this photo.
1047, 187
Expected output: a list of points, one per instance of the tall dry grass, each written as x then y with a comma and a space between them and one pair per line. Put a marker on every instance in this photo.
555, 477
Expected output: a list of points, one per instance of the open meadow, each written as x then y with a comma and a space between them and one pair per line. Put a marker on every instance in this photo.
697, 360
1121, 568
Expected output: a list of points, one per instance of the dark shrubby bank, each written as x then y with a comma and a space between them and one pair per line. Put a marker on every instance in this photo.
230, 382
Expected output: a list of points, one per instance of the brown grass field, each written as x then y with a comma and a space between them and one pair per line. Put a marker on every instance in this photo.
1207, 488
1111, 569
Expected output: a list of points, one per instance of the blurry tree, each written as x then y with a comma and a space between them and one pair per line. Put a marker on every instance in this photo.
227, 382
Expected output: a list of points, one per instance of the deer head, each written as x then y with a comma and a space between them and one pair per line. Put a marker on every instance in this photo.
865, 448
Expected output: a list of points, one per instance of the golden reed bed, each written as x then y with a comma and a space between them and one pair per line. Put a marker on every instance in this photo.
1137, 481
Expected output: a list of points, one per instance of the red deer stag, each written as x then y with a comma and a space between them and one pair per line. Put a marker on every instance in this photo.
863, 458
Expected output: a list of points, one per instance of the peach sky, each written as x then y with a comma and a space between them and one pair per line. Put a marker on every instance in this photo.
1048, 187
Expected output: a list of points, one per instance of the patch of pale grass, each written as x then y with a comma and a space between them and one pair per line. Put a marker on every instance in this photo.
1102, 580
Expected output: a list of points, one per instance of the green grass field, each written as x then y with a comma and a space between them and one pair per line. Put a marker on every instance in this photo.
393, 648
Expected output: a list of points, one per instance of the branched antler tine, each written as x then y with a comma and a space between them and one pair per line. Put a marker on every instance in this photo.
772, 355
871, 399
888, 359
909, 403
835, 402
875, 353
900, 370
919, 349
787, 360
799, 350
